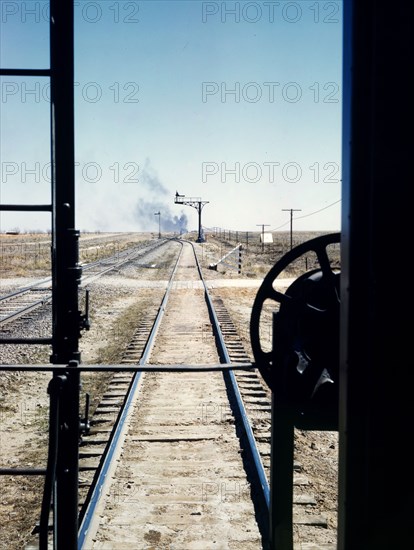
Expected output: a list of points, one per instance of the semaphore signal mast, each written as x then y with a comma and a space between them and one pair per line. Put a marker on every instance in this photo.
196, 203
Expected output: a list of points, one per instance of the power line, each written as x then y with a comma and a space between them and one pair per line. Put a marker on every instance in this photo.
306, 215
316, 211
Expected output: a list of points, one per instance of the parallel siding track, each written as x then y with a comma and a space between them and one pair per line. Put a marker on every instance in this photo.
26, 300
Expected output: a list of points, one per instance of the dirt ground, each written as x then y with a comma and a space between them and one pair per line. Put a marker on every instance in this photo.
24, 401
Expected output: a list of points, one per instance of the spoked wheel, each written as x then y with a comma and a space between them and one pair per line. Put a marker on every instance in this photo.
302, 369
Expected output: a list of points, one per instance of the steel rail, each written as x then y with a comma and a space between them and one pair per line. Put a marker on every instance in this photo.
128, 368
119, 428
225, 365
24, 310
233, 386
24, 290
27, 308
128, 252
135, 253
85, 267
160, 315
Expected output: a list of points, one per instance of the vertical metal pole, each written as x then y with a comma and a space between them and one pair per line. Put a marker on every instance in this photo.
281, 472
65, 268
199, 222
159, 223
291, 210
281, 478
262, 225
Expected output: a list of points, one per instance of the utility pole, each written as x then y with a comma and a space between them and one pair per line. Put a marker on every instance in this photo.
291, 210
196, 203
159, 223
262, 225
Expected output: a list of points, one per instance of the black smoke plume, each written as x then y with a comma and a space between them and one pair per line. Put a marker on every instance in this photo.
145, 210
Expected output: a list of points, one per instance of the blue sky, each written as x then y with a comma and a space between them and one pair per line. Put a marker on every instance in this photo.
238, 103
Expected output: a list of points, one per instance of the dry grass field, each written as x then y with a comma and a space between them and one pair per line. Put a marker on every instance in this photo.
258, 259
29, 254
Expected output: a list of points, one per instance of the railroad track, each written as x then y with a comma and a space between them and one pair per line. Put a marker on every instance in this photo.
26, 300
191, 423
23, 302
100, 267
148, 437
145, 431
